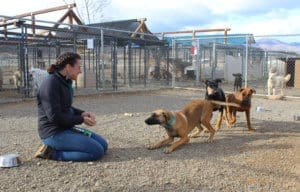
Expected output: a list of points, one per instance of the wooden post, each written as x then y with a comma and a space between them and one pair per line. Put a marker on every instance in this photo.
225, 36
33, 24
70, 16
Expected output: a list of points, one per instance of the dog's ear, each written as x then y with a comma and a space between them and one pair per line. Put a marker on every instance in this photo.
253, 91
242, 89
205, 82
166, 116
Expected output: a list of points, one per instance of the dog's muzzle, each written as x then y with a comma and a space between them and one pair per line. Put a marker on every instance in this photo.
246, 101
211, 91
152, 121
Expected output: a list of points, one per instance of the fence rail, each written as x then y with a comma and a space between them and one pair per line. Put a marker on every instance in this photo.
113, 62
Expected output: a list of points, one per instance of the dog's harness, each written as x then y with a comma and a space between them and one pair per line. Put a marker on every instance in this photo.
170, 123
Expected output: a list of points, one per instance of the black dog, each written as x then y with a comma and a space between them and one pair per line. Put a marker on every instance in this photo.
238, 80
213, 92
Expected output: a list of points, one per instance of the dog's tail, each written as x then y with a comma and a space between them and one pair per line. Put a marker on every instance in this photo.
287, 78
224, 103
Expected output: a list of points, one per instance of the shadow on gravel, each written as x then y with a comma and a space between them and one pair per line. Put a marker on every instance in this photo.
230, 142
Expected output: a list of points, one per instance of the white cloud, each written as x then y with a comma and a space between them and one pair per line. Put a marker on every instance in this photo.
224, 7
242, 16
270, 23
15, 7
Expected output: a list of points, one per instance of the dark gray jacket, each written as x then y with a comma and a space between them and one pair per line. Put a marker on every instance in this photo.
55, 111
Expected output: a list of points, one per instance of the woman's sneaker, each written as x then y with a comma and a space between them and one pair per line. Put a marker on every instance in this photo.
44, 152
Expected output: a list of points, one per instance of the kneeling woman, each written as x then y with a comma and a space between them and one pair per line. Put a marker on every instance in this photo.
57, 118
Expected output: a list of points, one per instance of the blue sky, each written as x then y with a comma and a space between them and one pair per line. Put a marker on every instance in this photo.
242, 16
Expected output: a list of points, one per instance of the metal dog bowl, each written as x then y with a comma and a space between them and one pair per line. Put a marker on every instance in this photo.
9, 160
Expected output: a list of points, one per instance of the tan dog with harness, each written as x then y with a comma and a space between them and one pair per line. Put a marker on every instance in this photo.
181, 123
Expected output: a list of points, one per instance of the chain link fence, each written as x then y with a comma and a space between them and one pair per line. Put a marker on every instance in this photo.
212, 57
114, 61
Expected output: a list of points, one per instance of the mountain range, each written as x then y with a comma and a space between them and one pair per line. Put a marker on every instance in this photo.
277, 45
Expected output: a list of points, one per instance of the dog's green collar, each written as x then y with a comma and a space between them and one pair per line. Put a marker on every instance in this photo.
170, 123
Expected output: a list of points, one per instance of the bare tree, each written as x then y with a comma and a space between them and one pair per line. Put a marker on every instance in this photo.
90, 11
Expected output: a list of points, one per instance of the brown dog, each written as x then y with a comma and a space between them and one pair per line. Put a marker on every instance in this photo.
243, 98
180, 124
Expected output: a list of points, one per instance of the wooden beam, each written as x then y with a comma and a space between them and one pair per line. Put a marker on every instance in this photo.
191, 31
33, 24
61, 19
69, 6
78, 21
76, 18
70, 16
142, 27
137, 29
225, 36
142, 20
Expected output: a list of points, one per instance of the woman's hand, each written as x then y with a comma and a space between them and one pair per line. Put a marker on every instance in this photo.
89, 121
89, 114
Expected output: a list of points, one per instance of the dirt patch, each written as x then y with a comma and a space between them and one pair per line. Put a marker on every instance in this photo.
238, 160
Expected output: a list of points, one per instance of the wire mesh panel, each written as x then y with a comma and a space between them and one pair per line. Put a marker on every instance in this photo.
251, 56
116, 59
9, 64
111, 59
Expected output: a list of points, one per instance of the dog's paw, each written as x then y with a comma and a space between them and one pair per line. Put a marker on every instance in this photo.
168, 150
229, 126
206, 130
151, 147
209, 140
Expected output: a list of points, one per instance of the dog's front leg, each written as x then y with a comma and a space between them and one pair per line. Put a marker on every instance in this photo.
176, 144
232, 115
161, 143
225, 116
206, 123
248, 120
196, 133
219, 120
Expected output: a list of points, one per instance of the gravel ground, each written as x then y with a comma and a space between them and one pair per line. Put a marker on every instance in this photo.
238, 160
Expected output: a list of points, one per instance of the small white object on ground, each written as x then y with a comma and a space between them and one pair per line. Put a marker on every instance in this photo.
9, 160
258, 108
128, 114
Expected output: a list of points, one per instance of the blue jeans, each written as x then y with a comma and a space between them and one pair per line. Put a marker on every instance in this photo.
71, 145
